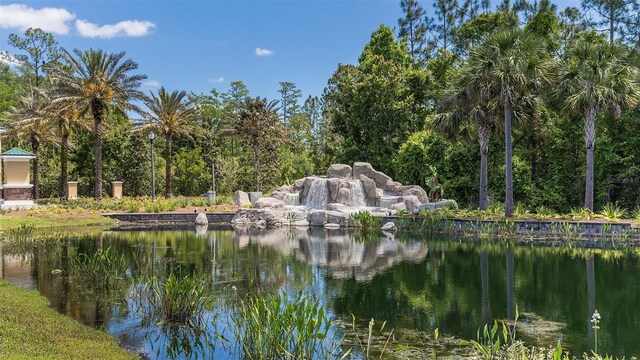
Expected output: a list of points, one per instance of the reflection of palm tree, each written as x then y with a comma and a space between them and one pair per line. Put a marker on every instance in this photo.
484, 277
511, 277
591, 296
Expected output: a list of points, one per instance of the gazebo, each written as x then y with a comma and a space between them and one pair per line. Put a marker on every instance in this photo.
16, 187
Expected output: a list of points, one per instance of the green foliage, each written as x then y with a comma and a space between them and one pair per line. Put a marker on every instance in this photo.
175, 300
192, 175
613, 212
104, 271
365, 220
281, 327
416, 156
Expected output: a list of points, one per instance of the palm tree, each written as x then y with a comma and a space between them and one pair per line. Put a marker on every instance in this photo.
595, 76
29, 120
464, 111
99, 82
511, 67
66, 119
171, 114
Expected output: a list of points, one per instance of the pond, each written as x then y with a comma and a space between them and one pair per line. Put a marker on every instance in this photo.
414, 283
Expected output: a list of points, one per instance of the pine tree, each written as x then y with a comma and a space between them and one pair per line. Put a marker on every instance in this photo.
413, 27
289, 100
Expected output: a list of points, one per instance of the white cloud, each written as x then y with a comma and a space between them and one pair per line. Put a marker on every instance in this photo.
23, 17
151, 84
263, 52
133, 28
8, 59
217, 80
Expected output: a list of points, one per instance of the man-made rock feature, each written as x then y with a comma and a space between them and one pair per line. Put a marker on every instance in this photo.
389, 227
201, 219
332, 199
442, 204
241, 198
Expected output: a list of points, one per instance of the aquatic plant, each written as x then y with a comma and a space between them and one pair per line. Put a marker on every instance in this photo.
280, 327
595, 320
366, 347
22, 232
365, 220
103, 271
175, 300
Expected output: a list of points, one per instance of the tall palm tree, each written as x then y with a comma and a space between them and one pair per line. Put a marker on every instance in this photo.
510, 66
171, 114
596, 76
29, 120
66, 119
463, 111
99, 82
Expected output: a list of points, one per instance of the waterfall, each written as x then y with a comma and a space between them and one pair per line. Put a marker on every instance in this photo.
292, 199
357, 197
318, 195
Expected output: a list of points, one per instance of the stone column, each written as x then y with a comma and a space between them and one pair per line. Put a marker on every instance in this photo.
116, 189
72, 189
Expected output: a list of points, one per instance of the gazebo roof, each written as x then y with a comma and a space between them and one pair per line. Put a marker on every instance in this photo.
18, 152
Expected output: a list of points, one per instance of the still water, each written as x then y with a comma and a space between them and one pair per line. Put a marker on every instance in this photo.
414, 283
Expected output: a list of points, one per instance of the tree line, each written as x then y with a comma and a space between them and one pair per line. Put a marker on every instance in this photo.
515, 104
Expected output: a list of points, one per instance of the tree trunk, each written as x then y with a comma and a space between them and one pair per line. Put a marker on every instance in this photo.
589, 139
97, 108
35, 147
168, 178
612, 14
64, 159
256, 166
484, 133
508, 158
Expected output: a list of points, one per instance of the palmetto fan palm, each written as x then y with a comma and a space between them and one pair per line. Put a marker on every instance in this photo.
171, 114
511, 67
596, 76
99, 81
29, 120
465, 111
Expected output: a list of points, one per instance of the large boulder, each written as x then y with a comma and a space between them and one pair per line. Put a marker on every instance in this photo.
268, 203
369, 189
344, 195
281, 192
416, 190
380, 178
389, 227
201, 219
401, 206
317, 218
341, 171
298, 184
362, 168
338, 217
394, 187
411, 202
387, 201
334, 187
241, 198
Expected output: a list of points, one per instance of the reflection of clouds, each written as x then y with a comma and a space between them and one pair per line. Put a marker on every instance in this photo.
340, 250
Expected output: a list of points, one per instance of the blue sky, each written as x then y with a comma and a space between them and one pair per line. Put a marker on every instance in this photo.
200, 45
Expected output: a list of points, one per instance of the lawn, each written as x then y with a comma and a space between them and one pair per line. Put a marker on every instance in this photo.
31, 329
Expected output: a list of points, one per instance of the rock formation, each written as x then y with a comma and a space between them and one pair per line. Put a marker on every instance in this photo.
330, 200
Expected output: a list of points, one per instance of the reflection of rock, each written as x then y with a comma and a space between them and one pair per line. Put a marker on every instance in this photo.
535, 329
345, 190
336, 248
201, 230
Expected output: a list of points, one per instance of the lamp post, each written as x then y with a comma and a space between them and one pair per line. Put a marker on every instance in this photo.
153, 168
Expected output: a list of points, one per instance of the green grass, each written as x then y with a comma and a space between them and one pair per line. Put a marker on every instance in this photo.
43, 219
30, 329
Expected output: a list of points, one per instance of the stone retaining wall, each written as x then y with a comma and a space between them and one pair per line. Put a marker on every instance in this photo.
543, 227
169, 217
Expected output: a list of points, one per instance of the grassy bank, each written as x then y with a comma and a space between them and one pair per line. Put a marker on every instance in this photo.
30, 329
50, 219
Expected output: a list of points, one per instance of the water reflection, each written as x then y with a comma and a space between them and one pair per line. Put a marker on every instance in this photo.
416, 284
